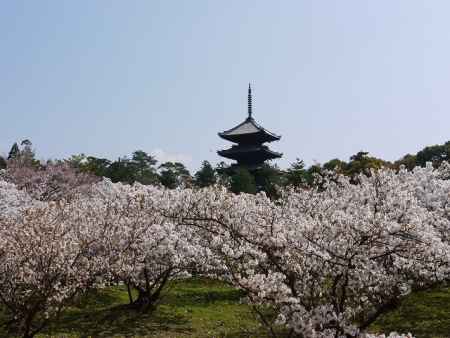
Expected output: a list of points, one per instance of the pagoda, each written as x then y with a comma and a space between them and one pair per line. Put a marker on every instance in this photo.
249, 138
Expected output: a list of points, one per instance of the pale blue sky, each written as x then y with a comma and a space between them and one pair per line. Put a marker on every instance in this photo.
332, 77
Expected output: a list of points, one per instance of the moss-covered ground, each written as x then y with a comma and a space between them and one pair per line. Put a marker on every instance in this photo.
207, 308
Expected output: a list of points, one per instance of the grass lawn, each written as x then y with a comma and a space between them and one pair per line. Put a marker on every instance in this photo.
425, 314
207, 308
190, 308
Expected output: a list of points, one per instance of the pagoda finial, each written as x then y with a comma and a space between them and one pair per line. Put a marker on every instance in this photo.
249, 101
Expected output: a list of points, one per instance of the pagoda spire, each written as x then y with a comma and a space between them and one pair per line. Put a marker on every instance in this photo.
249, 138
249, 101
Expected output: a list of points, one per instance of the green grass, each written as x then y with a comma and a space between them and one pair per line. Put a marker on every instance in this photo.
207, 308
426, 314
190, 308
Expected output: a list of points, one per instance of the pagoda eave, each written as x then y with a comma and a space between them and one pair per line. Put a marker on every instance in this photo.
259, 137
249, 130
258, 155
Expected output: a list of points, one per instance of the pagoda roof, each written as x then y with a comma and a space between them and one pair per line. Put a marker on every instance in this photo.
247, 130
250, 152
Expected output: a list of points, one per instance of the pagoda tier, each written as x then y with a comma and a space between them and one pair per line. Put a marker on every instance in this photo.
249, 154
249, 136
249, 132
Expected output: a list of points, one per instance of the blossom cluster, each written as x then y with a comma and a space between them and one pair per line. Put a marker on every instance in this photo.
331, 259
327, 260
49, 182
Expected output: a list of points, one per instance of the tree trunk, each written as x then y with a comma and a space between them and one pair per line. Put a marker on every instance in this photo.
149, 295
143, 302
130, 296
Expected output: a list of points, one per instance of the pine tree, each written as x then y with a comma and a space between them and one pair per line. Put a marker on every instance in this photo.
243, 181
14, 152
206, 176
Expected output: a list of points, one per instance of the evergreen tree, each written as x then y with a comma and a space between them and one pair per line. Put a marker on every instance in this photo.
361, 162
435, 154
168, 179
268, 178
96, 166
335, 165
206, 176
14, 152
143, 166
243, 181
121, 171
224, 173
296, 174
174, 174
409, 161
23, 154
27, 153
76, 161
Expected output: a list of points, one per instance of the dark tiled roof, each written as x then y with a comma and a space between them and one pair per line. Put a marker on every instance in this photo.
239, 151
247, 128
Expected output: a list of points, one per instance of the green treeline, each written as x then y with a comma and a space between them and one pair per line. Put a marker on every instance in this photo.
144, 168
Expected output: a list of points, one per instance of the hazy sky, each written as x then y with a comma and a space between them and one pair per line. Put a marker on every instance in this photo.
107, 77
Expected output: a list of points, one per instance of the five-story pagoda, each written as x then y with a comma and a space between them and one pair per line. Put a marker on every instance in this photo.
249, 136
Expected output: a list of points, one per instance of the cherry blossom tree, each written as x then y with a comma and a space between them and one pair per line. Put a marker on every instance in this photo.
12, 200
318, 262
43, 265
47, 183
330, 260
135, 242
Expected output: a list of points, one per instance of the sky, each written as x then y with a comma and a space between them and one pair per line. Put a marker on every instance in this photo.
108, 77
